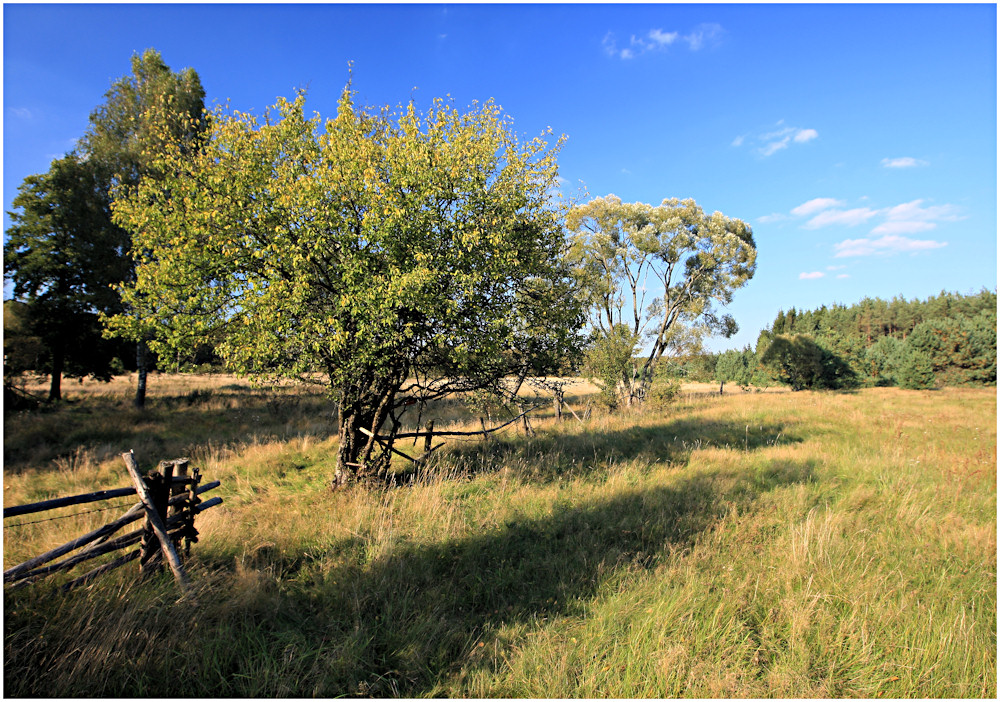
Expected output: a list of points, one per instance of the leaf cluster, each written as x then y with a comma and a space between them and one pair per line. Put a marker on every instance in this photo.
366, 247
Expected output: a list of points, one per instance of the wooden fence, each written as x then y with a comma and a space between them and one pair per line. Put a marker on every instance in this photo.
169, 500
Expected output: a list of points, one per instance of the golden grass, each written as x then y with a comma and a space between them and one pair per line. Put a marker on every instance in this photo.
753, 545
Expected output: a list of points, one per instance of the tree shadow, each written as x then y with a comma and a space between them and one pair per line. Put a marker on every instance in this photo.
561, 454
401, 623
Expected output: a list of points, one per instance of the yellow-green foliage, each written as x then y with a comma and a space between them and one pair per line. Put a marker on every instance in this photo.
749, 545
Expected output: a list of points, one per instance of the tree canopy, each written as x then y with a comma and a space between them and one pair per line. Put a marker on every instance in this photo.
624, 250
62, 255
382, 249
947, 339
144, 114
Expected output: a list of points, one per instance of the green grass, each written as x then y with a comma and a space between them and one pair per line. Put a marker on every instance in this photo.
758, 545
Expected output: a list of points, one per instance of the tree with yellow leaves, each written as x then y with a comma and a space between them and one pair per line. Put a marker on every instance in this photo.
403, 256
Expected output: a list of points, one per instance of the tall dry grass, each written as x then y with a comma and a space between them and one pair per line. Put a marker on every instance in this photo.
749, 545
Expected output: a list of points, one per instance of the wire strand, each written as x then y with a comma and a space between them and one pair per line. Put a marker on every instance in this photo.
64, 516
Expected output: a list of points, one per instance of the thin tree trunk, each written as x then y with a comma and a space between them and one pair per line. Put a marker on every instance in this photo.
55, 387
142, 367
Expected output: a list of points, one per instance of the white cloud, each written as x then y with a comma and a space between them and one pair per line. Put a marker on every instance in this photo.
608, 43
913, 211
774, 217
835, 268
884, 246
902, 162
774, 146
21, 112
804, 135
842, 276
888, 235
812, 276
663, 38
903, 227
848, 218
738, 141
658, 40
703, 34
778, 139
816, 205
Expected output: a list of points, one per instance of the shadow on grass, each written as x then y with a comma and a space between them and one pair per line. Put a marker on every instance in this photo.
581, 453
344, 620
170, 424
418, 614
402, 623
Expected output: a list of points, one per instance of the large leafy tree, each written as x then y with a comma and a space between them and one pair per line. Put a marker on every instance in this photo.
403, 256
62, 255
623, 251
144, 113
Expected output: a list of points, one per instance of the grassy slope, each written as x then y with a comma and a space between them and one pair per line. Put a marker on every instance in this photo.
791, 545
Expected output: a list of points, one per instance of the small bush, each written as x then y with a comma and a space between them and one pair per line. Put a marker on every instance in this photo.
663, 392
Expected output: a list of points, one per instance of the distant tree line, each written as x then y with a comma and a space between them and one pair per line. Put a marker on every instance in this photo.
947, 339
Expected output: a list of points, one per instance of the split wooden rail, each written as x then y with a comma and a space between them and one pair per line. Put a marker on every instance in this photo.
169, 499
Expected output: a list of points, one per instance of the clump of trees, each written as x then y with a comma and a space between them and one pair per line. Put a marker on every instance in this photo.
626, 252
402, 255
64, 253
948, 339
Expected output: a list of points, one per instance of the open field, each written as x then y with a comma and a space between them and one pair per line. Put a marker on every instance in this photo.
750, 545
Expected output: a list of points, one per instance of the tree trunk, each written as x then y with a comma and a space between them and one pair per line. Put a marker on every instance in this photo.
142, 368
55, 386
363, 406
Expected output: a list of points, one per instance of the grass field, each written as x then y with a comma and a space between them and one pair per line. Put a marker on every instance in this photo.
749, 545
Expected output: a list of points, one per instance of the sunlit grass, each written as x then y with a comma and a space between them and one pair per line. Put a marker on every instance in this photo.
753, 545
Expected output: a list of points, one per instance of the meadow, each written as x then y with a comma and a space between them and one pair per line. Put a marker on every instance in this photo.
779, 544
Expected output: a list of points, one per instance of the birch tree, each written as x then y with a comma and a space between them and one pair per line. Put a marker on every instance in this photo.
625, 251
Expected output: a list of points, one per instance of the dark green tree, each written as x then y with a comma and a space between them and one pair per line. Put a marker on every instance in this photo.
609, 362
737, 367
62, 255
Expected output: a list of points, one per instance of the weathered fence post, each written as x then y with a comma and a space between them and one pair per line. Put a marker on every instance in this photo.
159, 486
190, 533
428, 437
157, 524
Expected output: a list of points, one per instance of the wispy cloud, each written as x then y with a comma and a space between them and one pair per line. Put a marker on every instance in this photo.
884, 246
804, 135
903, 227
773, 217
771, 142
816, 205
914, 211
902, 162
849, 218
663, 38
21, 112
702, 36
812, 276
887, 236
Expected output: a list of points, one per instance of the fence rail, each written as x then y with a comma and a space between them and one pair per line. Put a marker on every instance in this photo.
169, 504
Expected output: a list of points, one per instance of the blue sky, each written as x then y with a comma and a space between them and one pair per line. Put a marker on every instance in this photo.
859, 141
